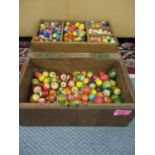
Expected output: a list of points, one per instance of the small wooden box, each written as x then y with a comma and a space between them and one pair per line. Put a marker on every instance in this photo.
93, 115
77, 47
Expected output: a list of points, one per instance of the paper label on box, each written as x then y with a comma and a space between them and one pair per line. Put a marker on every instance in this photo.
120, 112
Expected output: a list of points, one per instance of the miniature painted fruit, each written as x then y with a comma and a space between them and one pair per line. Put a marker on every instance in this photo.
84, 98
52, 92
101, 73
69, 76
99, 94
51, 98
85, 80
74, 89
93, 91
94, 77
91, 97
46, 86
107, 92
41, 78
118, 101
113, 83
35, 81
37, 74
67, 90
43, 93
70, 83
61, 98
79, 84
92, 85
63, 77
112, 74
69, 97
46, 80
34, 98
42, 100
98, 99
80, 77
104, 77
37, 89
63, 84
78, 96
54, 79
117, 91
52, 74
45, 74
86, 90
106, 84
89, 74
54, 85
114, 97
98, 82
107, 99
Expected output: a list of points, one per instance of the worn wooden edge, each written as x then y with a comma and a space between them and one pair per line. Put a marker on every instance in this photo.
76, 43
127, 78
93, 106
23, 70
81, 55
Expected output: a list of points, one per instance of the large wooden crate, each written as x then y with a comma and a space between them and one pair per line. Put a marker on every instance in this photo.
77, 47
53, 114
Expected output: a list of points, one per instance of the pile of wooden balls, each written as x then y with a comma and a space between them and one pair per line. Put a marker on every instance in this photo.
49, 32
92, 31
98, 24
75, 89
101, 38
74, 32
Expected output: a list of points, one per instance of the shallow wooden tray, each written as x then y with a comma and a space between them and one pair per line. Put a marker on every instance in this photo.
77, 47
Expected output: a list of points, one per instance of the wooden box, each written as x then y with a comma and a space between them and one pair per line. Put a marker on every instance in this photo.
93, 115
77, 47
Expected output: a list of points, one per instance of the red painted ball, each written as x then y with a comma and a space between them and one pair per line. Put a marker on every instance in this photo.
98, 99
101, 73
37, 74
94, 77
104, 77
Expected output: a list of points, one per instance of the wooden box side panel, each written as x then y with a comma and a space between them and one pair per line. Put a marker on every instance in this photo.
72, 117
71, 47
26, 76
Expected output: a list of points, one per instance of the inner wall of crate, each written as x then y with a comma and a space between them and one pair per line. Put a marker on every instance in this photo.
87, 27
67, 65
